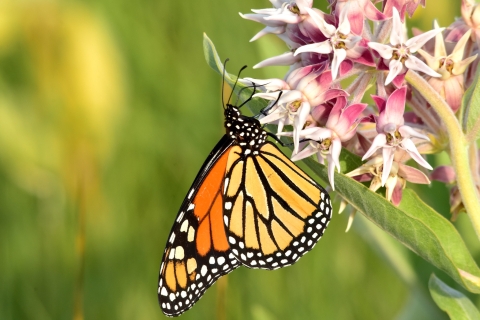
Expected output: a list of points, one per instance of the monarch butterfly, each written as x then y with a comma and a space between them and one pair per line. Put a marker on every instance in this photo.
249, 205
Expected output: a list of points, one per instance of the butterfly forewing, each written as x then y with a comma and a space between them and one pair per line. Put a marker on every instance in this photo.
274, 212
197, 251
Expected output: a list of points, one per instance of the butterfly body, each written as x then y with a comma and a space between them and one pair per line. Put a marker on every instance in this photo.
249, 205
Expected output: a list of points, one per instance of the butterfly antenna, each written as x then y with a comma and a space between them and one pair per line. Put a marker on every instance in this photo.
254, 86
235, 84
223, 81
265, 110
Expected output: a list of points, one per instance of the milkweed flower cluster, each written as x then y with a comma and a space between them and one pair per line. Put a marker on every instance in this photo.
367, 42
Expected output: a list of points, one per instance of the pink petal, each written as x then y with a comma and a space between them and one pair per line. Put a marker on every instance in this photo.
356, 21
380, 102
388, 154
364, 56
321, 113
344, 24
395, 106
338, 56
416, 64
303, 5
399, 80
285, 59
345, 67
385, 51
372, 13
268, 30
335, 151
322, 47
415, 43
327, 29
299, 122
395, 68
328, 95
412, 175
397, 193
336, 112
444, 174
305, 153
274, 116
284, 17
410, 147
259, 18
300, 73
398, 30
281, 124
407, 132
412, 6
348, 118
380, 141
454, 92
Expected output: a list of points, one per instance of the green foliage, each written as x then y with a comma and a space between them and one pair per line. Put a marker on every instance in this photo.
453, 302
469, 114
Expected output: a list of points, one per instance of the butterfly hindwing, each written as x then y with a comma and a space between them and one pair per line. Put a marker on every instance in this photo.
274, 212
197, 251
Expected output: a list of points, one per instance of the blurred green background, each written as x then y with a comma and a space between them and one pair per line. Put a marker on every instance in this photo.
107, 111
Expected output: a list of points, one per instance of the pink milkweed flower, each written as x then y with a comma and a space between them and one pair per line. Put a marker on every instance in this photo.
398, 55
276, 19
397, 178
303, 89
393, 134
357, 11
327, 142
402, 6
340, 41
451, 67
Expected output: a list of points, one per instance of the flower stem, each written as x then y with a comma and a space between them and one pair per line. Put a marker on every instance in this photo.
458, 147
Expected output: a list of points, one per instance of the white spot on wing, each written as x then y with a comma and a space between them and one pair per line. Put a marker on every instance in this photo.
191, 207
180, 216
191, 193
204, 270
191, 234
225, 185
164, 292
184, 226
179, 253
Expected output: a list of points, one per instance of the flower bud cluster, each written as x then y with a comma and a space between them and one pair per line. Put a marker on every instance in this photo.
357, 40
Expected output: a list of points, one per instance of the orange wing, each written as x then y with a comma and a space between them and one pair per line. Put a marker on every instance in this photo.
274, 212
197, 252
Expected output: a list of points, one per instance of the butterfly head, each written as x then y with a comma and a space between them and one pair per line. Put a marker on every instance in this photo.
246, 131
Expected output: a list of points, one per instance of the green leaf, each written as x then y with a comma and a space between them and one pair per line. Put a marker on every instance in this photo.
415, 224
453, 302
470, 109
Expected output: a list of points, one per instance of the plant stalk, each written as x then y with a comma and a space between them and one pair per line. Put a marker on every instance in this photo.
459, 147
